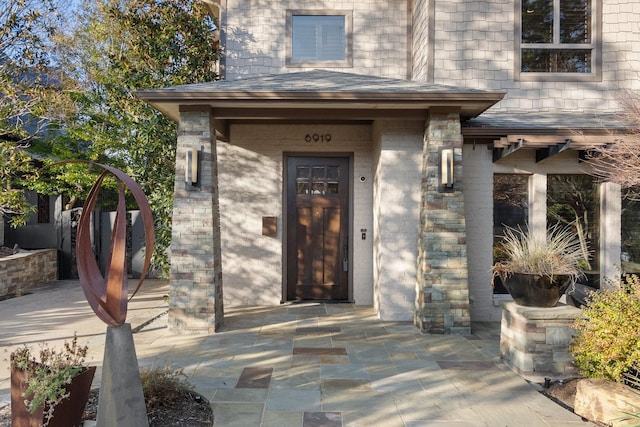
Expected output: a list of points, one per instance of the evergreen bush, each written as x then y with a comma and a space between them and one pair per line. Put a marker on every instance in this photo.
607, 344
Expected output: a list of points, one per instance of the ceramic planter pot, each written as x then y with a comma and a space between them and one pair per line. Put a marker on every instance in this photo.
534, 290
68, 413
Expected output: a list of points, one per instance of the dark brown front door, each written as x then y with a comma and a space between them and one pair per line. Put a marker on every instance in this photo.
317, 228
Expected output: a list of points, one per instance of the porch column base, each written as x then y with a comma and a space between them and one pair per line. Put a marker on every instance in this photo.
534, 341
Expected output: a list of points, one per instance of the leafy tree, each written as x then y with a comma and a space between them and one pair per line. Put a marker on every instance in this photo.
117, 49
14, 163
29, 83
30, 98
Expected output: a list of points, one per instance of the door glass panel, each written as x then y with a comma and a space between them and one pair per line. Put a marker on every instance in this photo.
318, 179
302, 179
333, 172
318, 172
302, 187
317, 188
333, 175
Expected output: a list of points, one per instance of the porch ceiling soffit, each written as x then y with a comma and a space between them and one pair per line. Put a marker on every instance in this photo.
320, 96
546, 133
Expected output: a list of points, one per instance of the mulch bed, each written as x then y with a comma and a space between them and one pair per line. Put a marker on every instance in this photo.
192, 410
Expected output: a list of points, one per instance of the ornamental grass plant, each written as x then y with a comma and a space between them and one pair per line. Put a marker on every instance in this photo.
558, 252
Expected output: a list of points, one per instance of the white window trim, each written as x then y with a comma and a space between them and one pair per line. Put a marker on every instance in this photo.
348, 29
595, 46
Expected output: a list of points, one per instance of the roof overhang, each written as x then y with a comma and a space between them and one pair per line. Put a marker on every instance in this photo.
318, 96
274, 105
548, 135
546, 146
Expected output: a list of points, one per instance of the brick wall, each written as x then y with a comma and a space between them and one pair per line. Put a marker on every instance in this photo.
25, 270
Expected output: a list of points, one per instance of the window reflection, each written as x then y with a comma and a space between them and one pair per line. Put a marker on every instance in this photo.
573, 201
510, 209
556, 36
630, 250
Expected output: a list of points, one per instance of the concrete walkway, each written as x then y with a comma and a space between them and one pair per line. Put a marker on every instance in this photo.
302, 364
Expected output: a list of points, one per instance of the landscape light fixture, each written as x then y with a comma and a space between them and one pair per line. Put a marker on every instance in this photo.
446, 167
191, 166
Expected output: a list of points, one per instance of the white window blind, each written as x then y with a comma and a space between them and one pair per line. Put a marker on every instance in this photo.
318, 38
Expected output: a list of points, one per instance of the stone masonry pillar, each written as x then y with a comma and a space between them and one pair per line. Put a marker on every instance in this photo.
195, 296
442, 290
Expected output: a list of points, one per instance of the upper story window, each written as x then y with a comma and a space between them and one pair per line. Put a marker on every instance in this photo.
318, 38
558, 40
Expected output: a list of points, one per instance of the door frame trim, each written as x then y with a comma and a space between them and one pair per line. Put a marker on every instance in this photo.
349, 155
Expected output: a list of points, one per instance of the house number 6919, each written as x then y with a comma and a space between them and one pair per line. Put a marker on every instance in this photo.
310, 138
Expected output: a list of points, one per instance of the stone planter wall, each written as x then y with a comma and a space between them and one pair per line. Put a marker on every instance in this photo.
534, 341
27, 269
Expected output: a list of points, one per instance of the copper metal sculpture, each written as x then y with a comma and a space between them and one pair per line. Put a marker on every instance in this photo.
108, 295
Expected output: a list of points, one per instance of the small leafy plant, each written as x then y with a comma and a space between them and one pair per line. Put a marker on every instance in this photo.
558, 252
607, 344
48, 374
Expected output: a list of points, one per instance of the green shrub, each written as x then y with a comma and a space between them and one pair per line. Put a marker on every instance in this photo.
163, 386
607, 344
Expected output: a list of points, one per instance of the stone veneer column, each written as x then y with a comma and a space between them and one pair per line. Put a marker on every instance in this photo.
442, 300
195, 298
534, 341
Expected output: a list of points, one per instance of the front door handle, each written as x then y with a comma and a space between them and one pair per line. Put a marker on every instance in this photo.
345, 261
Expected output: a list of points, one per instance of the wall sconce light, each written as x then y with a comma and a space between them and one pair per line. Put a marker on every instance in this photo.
191, 161
446, 167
